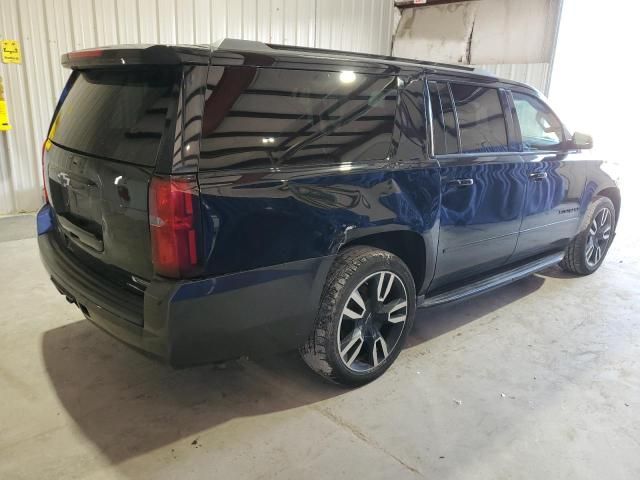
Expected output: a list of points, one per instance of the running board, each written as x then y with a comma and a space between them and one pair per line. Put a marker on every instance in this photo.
495, 281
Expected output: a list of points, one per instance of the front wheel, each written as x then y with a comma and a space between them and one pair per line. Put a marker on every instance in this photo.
587, 250
366, 311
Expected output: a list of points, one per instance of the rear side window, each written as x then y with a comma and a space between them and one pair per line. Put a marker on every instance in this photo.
480, 119
445, 136
258, 117
540, 128
116, 114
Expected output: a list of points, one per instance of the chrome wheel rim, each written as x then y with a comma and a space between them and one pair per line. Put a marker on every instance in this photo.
372, 321
598, 237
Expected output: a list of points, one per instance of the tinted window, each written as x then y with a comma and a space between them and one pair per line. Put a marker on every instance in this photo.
480, 118
118, 114
445, 138
540, 128
257, 117
410, 124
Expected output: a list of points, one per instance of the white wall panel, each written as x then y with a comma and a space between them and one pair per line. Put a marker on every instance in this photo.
534, 74
184, 13
83, 26
126, 16
481, 31
276, 16
219, 16
148, 10
512, 39
48, 28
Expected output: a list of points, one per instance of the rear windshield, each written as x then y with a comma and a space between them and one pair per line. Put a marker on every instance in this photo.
116, 114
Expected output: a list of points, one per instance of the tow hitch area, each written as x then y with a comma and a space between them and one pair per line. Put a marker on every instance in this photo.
70, 298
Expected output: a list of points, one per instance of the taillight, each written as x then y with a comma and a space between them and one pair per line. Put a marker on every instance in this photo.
45, 148
173, 218
89, 53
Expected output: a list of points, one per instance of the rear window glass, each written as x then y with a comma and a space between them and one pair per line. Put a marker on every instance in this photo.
258, 117
480, 119
116, 114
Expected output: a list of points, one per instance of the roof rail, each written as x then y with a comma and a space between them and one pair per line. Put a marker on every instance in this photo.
369, 55
234, 44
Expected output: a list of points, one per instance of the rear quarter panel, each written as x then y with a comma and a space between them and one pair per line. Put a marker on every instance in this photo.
266, 218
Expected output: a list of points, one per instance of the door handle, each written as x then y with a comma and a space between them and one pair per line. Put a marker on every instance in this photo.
537, 176
461, 182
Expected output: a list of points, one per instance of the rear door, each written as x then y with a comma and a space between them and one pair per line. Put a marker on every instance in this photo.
555, 183
101, 152
482, 182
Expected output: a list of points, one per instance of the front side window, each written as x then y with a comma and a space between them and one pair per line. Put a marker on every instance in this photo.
540, 128
480, 119
261, 117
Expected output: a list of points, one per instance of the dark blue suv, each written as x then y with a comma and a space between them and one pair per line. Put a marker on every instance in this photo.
207, 202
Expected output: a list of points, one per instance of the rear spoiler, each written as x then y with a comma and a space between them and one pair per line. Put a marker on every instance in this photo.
137, 55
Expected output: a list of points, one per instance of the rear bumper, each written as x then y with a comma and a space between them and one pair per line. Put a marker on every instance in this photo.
191, 322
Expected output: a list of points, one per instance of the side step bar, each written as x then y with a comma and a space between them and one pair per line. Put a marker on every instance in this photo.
495, 281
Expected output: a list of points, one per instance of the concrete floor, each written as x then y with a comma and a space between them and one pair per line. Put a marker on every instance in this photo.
540, 379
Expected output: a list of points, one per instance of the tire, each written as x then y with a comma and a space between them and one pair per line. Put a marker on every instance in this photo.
581, 256
357, 336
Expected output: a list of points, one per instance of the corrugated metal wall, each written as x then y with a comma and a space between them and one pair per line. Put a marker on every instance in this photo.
535, 74
48, 28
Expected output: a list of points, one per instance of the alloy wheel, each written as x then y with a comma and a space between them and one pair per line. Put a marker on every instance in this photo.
599, 236
372, 321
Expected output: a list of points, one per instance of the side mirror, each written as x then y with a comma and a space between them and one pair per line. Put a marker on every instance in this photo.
581, 141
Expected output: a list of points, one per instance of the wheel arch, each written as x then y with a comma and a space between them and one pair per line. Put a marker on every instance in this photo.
613, 194
407, 245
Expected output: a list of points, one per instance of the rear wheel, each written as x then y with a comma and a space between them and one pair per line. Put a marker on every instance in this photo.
366, 312
587, 250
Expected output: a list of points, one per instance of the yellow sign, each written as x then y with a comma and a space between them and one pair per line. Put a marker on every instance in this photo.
4, 114
11, 51
4, 117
